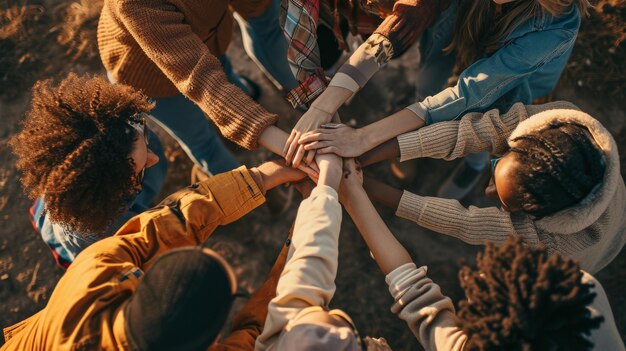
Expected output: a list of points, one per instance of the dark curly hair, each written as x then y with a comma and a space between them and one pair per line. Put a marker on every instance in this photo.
520, 298
74, 150
562, 164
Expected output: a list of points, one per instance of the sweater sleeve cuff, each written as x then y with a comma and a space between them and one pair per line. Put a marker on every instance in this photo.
368, 59
420, 111
411, 206
324, 190
343, 80
404, 277
410, 145
308, 90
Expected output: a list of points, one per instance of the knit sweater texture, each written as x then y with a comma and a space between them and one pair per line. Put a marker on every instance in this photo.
164, 47
591, 232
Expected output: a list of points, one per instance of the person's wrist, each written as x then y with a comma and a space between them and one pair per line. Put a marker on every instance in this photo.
331, 99
351, 195
367, 137
330, 175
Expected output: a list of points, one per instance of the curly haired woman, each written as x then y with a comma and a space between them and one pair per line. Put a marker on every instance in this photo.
519, 298
558, 181
88, 159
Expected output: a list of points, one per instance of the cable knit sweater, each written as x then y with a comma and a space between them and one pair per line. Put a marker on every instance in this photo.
591, 232
164, 47
432, 319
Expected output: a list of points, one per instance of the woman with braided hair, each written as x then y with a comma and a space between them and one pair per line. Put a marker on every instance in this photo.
558, 181
519, 298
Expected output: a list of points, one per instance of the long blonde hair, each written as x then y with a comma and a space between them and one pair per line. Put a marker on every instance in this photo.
479, 30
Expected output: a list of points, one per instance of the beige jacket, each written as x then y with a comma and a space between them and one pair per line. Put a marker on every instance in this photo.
432, 319
309, 275
591, 232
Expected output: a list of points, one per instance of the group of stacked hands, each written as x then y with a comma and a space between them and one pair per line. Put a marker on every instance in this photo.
558, 182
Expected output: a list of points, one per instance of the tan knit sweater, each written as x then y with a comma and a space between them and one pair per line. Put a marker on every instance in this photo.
164, 47
592, 231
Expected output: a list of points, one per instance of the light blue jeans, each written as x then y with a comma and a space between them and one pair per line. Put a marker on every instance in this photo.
436, 68
265, 43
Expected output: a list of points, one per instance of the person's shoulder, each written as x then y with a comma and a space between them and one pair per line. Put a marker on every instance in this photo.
568, 20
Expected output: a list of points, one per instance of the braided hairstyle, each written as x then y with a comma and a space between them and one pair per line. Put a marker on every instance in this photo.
561, 165
74, 150
520, 298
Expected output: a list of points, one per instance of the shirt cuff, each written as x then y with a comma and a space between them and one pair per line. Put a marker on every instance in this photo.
420, 111
324, 190
410, 145
368, 59
343, 80
403, 278
308, 90
411, 206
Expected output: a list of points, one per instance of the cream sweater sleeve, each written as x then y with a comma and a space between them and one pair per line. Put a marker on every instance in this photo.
429, 314
473, 225
474, 132
309, 275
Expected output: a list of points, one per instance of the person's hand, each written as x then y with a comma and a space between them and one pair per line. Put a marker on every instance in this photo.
336, 138
376, 344
274, 173
311, 120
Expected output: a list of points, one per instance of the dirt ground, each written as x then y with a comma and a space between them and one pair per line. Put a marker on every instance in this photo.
28, 273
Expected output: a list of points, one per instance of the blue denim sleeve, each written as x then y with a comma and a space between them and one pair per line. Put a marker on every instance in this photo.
485, 81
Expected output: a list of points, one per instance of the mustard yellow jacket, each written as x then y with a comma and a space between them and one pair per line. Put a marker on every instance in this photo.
86, 309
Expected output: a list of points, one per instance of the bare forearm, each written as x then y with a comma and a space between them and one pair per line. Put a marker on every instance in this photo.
390, 127
388, 252
274, 139
382, 193
385, 151
331, 99
330, 170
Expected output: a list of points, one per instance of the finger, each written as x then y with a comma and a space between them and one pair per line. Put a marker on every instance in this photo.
317, 145
293, 147
289, 140
310, 156
297, 158
309, 171
307, 138
328, 150
315, 167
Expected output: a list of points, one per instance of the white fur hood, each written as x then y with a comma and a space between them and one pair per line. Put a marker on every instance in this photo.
586, 212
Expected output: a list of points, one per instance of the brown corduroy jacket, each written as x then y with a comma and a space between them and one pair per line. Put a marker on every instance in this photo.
86, 309
164, 47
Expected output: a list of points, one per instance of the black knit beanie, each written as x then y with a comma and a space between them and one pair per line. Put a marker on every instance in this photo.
181, 303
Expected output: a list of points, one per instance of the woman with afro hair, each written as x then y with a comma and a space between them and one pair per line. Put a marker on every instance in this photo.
518, 298
88, 160
556, 176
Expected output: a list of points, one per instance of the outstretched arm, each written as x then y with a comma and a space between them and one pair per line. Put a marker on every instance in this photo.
418, 300
387, 251
309, 275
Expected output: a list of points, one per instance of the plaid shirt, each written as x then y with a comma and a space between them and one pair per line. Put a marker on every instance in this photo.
404, 22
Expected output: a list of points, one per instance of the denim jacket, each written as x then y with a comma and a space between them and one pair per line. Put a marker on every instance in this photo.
527, 66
